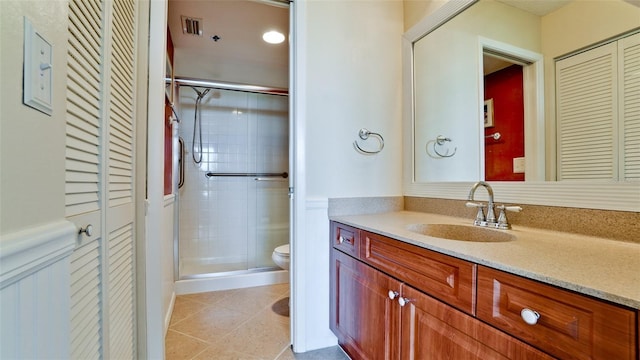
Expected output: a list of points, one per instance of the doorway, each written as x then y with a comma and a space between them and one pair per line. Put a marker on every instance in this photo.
231, 213
514, 60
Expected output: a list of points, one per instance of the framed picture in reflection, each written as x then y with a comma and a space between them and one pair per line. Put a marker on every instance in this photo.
488, 113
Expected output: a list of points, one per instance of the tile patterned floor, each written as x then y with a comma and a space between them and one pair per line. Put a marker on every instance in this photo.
246, 324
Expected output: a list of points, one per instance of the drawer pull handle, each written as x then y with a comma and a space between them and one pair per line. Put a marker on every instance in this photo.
403, 301
393, 294
529, 316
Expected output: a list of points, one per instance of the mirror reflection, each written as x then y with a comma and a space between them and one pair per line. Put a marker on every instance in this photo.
485, 94
504, 100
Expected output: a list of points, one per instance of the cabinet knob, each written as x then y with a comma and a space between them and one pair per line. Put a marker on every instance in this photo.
88, 230
393, 294
340, 240
403, 301
529, 316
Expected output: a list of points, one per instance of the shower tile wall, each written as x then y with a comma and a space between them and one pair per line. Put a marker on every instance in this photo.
233, 223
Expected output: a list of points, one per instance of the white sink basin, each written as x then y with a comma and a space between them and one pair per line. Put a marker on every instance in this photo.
461, 232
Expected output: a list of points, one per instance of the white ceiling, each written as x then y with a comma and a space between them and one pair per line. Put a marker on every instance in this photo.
240, 52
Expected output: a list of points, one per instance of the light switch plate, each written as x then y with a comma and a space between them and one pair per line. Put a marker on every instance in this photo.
518, 165
37, 71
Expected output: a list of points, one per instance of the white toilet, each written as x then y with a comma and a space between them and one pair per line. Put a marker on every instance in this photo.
280, 256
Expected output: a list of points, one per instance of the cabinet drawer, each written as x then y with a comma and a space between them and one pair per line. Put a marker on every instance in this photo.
345, 238
443, 277
569, 326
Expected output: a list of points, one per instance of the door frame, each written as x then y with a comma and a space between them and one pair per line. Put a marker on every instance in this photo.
533, 89
150, 315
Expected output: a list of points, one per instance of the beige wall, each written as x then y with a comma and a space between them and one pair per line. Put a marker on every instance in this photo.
416, 10
32, 144
597, 20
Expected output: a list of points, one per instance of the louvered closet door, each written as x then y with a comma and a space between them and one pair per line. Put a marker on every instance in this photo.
587, 109
120, 205
84, 184
629, 50
99, 176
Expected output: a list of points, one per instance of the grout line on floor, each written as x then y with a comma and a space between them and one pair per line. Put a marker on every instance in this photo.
282, 352
198, 354
191, 337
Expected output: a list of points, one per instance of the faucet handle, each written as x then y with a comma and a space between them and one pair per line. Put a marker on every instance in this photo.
491, 214
473, 204
480, 214
513, 208
503, 222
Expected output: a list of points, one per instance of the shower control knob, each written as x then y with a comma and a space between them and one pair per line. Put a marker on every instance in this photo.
88, 230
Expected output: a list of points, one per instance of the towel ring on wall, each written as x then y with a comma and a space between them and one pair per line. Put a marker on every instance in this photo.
439, 141
364, 135
496, 136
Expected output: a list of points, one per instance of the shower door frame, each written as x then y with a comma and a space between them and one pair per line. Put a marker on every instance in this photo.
219, 85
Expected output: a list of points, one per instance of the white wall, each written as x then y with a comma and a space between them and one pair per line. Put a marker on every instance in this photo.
35, 239
348, 69
353, 80
32, 144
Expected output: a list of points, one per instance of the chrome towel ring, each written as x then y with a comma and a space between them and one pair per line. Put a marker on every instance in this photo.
439, 141
364, 135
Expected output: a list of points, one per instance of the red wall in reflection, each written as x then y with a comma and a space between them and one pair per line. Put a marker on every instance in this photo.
505, 88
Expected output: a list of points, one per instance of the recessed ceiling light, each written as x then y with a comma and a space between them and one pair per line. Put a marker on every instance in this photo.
273, 37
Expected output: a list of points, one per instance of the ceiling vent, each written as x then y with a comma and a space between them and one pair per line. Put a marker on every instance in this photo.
191, 25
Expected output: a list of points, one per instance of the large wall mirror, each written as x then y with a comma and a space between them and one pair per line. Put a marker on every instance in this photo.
493, 96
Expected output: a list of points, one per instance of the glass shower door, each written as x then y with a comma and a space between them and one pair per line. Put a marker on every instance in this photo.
272, 157
233, 219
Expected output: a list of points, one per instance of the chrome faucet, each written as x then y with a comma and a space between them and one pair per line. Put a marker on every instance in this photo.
480, 217
490, 219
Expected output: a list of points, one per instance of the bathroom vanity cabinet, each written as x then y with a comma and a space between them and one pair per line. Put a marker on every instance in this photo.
394, 300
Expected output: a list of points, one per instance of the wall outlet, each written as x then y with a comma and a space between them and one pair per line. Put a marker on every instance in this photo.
518, 165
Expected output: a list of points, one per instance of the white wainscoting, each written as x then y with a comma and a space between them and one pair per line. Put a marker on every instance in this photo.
35, 292
311, 280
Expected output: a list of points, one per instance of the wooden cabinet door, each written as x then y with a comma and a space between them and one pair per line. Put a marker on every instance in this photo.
431, 329
363, 317
444, 277
569, 325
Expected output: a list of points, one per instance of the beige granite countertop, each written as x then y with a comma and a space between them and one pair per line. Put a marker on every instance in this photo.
603, 268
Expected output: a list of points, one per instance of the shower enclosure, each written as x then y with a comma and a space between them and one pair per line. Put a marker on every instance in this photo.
233, 203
